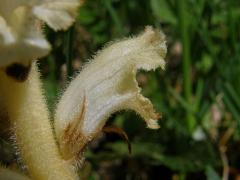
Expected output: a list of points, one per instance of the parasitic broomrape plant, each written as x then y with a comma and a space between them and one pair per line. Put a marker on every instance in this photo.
105, 85
21, 41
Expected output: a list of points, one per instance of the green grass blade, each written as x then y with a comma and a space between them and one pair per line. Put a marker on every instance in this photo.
69, 51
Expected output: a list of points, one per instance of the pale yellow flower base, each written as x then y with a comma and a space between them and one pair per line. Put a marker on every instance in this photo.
28, 112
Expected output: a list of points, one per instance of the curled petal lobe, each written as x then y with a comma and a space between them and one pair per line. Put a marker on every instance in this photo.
105, 85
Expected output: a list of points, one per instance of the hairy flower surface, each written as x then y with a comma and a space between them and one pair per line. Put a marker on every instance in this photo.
21, 39
11, 175
106, 85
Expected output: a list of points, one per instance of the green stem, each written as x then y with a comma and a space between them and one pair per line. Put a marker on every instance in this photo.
187, 87
69, 51
231, 26
114, 17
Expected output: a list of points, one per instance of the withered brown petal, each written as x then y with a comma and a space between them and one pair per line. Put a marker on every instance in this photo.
120, 132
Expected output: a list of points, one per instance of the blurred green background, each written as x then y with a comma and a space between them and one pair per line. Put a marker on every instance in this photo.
198, 94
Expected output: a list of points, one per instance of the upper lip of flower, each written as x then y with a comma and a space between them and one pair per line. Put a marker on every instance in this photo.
21, 39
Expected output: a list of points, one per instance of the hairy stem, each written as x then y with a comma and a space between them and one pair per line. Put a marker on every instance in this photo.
28, 112
12, 175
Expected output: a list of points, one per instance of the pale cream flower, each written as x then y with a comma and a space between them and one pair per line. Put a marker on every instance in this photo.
21, 39
105, 85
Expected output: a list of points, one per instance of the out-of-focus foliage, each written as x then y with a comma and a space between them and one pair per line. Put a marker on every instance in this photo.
203, 55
